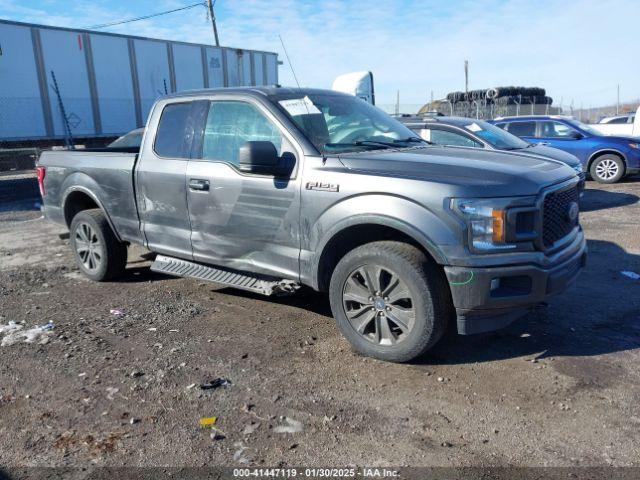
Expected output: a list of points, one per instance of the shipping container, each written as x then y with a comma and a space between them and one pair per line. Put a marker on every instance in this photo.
106, 83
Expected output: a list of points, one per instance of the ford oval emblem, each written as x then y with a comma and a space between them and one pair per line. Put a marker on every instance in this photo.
572, 212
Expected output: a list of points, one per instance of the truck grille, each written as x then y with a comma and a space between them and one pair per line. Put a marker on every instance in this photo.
556, 221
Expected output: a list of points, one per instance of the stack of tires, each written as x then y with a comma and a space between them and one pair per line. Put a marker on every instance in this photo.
503, 96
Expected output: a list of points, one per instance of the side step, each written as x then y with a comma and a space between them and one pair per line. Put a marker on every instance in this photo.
259, 284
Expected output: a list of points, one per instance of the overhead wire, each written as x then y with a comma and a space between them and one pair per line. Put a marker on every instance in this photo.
144, 17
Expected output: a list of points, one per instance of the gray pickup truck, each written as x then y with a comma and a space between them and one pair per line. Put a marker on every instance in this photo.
268, 189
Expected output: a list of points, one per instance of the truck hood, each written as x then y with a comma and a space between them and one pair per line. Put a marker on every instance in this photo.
469, 171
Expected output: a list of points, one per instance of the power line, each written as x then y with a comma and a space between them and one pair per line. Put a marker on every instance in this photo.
136, 19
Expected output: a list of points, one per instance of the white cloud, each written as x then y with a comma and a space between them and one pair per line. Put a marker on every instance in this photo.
577, 50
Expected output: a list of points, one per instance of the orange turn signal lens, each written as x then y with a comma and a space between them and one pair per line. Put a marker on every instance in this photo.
498, 226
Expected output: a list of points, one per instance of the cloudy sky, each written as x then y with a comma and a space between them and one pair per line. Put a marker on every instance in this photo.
577, 50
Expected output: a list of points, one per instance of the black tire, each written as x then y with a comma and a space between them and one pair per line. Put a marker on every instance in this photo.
429, 302
94, 244
607, 168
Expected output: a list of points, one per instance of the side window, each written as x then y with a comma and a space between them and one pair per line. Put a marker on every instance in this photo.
523, 129
230, 124
619, 120
555, 130
444, 137
171, 135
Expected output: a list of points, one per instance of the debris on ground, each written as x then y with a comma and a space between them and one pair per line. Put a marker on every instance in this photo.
217, 383
293, 426
238, 456
116, 312
40, 334
207, 421
249, 429
631, 275
111, 391
10, 327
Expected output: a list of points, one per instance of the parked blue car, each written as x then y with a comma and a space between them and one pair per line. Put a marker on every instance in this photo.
607, 158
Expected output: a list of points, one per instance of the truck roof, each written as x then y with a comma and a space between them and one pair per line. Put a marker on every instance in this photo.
271, 91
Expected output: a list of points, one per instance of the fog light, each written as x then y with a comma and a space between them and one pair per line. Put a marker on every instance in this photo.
495, 284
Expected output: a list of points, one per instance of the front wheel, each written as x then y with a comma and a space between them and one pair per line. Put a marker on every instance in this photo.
390, 301
98, 252
607, 169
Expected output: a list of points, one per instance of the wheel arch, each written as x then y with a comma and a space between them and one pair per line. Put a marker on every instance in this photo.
78, 198
606, 151
366, 229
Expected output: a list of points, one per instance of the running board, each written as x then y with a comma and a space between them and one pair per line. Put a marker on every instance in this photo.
184, 268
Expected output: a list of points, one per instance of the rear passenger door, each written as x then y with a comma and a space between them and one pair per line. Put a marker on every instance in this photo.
160, 179
244, 221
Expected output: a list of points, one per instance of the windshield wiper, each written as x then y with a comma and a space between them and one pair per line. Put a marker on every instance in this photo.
378, 143
361, 143
413, 139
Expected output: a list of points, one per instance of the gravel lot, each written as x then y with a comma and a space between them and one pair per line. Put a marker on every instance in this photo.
560, 387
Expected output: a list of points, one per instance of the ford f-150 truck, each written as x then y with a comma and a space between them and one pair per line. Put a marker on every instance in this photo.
267, 189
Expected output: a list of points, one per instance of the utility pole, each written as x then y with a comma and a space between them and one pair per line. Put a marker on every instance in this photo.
213, 21
618, 102
398, 102
466, 76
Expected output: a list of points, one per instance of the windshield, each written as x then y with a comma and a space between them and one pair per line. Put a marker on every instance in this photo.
340, 123
495, 136
584, 126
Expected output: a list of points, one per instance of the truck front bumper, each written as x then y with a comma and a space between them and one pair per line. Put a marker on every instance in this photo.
490, 298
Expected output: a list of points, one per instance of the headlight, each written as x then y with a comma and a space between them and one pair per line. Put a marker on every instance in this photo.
635, 145
486, 220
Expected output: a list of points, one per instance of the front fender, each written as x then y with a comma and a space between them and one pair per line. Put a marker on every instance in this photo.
400, 213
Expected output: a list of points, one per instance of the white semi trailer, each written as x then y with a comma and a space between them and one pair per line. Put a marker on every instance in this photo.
107, 82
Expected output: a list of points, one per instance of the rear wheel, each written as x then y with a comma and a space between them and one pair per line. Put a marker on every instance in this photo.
99, 254
607, 168
390, 301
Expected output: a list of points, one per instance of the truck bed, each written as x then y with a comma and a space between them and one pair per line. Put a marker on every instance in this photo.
107, 176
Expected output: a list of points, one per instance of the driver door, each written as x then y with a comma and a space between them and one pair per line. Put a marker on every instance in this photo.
562, 136
244, 221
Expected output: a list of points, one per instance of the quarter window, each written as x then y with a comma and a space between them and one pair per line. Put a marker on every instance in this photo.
230, 124
171, 136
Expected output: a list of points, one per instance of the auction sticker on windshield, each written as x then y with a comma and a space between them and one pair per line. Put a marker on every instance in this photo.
299, 106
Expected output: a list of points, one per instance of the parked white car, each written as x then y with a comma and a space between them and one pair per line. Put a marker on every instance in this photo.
620, 125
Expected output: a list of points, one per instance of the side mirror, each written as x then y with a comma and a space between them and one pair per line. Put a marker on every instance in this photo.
576, 135
259, 157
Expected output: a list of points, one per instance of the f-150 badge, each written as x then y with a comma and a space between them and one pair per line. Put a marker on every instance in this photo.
324, 186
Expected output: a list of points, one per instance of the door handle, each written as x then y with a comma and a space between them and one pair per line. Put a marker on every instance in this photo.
199, 184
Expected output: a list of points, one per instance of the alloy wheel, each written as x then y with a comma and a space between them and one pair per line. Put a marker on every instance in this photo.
88, 246
378, 305
607, 169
